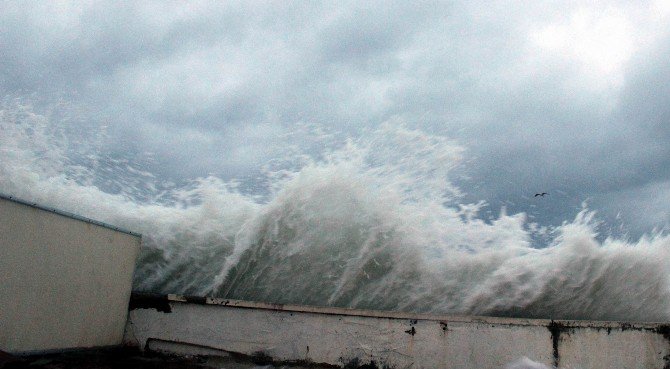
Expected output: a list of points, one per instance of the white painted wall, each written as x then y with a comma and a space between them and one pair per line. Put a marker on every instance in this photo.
64, 282
337, 336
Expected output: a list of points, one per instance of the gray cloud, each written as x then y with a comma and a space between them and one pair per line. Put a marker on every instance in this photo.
210, 86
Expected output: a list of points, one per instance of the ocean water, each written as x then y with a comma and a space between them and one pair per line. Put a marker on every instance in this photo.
374, 222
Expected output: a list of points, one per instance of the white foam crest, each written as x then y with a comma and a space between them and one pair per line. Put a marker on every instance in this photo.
375, 224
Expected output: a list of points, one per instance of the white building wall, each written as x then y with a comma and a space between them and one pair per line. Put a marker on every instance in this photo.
332, 336
65, 281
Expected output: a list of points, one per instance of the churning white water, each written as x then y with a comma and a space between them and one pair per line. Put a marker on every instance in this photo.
373, 223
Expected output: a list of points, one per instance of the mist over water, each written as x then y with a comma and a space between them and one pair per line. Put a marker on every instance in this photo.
373, 222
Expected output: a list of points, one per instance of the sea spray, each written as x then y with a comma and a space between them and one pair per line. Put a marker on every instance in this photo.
374, 222
526, 363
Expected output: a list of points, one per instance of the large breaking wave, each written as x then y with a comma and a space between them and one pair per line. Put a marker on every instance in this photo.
372, 223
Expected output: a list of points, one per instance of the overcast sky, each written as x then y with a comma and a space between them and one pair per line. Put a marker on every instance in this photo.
571, 98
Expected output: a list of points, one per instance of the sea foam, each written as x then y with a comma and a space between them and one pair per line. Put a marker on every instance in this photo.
372, 222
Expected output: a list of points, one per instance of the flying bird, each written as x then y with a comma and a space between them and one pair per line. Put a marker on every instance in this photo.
541, 194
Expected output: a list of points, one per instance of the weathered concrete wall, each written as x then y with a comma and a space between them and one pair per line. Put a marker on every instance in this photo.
332, 336
65, 281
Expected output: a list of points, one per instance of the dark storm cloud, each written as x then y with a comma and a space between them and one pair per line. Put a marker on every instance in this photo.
209, 86
638, 154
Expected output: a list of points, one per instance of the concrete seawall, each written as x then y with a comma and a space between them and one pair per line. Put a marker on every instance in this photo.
65, 280
354, 338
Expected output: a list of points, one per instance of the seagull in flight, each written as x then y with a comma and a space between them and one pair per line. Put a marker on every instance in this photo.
541, 194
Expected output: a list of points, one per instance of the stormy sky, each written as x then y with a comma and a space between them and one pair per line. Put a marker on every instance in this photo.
567, 97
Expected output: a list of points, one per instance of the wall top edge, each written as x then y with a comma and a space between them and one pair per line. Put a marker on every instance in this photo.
68, 215
162, 303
